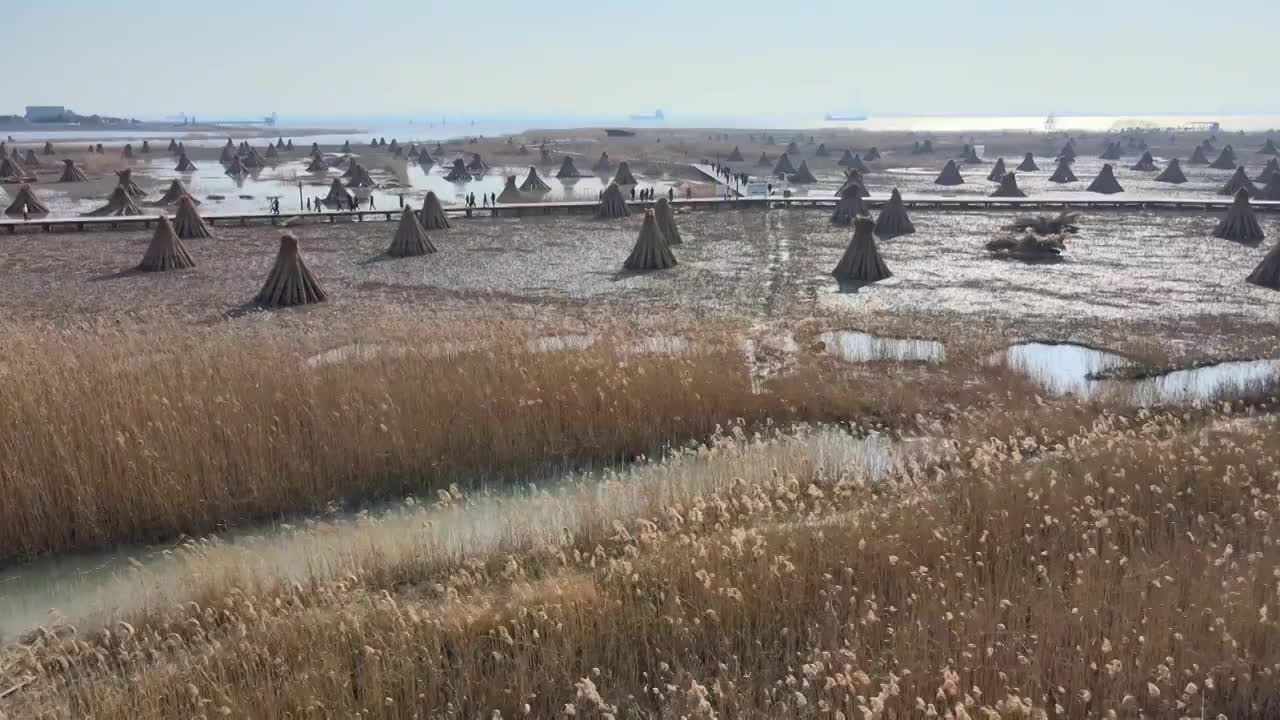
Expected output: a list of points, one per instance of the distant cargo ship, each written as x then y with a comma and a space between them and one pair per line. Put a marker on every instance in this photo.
657, 115
856, 117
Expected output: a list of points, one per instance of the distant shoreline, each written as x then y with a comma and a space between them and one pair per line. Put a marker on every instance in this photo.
38, 131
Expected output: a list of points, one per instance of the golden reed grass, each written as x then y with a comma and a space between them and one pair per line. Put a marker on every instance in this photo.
120, 436
1126, 570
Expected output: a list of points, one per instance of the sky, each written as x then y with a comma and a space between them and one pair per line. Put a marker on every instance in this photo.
227, 58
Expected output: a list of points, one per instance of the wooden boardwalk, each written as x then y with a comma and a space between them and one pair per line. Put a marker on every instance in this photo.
588, 207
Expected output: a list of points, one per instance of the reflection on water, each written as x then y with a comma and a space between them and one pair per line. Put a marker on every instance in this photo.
1062, 368
1067, 368
82, 588
862, 347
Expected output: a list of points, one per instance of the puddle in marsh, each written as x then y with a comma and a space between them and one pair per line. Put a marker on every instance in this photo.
1067, 368
862, 347
83, 588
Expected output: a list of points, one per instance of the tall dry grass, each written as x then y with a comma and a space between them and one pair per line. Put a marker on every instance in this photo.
1126, 571
118, 436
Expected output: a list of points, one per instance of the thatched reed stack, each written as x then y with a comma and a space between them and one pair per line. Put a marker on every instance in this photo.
166, 251
1198, 157
71, 173
476, 166
997, 171
411, 238
849, 206
568, 170
861, 261
184, 164
338, 196
783, 167
119, 204
1238, 181
31, 159
175, 192
534, 184
735, 155
1239, 223
1146, 163
893, 220
1009, 187
764, 160
950, 175
1267, 273
1226, 159
236, 167
317, 165
1111, 152
1028, 164
602, 165
651, 251
458, 173
612, 204
873, 154
1172, 174
48, 148
125, 178
187, 221
290, 282
665, 214
432, 215
1106, 182
623, 176
1062, 174
510, 193
25, 203
804, 176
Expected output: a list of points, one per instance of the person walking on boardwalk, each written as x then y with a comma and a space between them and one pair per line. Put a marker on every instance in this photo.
370, 201
671, 193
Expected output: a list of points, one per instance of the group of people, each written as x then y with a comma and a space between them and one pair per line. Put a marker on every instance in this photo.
317, 204
489, 199
648, 194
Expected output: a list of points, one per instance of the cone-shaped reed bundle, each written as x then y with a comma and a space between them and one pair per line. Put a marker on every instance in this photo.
523, 149
602, 165
1239, 181
872, 155
413, 152
534, 184
568, 169
847, 158
184, 164
173, 194
290, 282
173, 145
1269, 148
1198, 157
236, 167
1063, 173
1009, 186
360, 178
146, 148
856, 165
1028, 164
346, 148
1068, 151
32, 160
624, 176
127, 152
187, 222
253, 159
821, 151
861, 261
950, 175
12, 171
271, 153
612, 203
792, 147
228, 154
26, 202
1239, 224
893, 220
651, 251
71, 173
803, 175
783, 166
971, 156
1272, 189
48, 148
544, 155
1111, 151
764, 160
476, 166
432, 214
853, 179
395, 145
1267, 274
279, 143
1146, 163
1208, 145
1030, 247
510, 193
1271, 168
849, 207
182, 149
1106, 182
119, 204
425, 159
126, 181
1172, 173
458, 173
353, 167
1226, 159
317, 164
166, 251
666, 216
736, 155
411, 238
338, 196
997, 171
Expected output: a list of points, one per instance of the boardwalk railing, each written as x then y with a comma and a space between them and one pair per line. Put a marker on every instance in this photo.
588, 207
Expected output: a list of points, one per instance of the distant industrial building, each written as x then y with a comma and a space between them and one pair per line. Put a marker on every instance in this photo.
46, 113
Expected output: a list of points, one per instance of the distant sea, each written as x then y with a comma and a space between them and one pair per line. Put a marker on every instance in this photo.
433, 126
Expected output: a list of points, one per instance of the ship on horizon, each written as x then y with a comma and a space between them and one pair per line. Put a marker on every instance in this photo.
657, 115
851, 117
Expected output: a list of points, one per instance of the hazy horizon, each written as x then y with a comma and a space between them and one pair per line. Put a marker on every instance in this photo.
402, 58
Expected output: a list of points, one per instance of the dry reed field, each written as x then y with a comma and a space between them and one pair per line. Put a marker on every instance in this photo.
1085, 564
